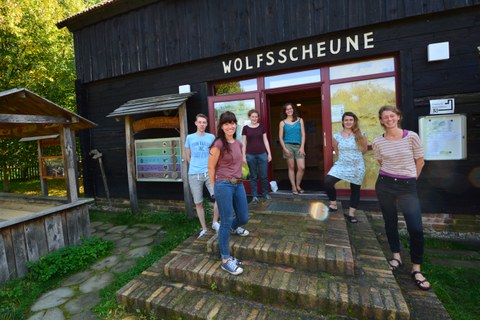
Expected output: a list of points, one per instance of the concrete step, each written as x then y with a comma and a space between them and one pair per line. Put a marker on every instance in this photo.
180, 301
295, 241
278, 285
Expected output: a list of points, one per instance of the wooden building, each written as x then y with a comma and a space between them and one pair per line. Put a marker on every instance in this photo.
327, 56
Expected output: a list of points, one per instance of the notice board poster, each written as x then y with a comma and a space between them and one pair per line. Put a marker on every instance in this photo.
444, 137
158, 159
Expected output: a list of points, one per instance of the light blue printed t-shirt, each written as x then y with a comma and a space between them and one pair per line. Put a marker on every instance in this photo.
199, 146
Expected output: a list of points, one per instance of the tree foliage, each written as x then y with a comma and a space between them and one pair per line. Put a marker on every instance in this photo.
36, 55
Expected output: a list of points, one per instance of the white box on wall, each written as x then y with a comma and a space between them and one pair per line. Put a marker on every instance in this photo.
184, 89
438, 51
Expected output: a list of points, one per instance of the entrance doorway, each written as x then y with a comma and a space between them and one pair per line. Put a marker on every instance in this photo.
309, 104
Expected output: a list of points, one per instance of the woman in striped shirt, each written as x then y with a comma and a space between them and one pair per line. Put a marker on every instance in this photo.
400, 154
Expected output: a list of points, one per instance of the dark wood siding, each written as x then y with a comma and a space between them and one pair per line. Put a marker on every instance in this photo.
172, 32
406, 38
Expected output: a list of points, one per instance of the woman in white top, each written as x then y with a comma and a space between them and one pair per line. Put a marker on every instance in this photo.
400, 155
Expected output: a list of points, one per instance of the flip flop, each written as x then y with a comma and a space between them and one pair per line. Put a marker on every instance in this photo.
393, 267
295, 192
301, 190
333, 209
420, 282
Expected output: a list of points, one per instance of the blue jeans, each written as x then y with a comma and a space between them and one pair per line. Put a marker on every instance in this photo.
403, 192
230, 197
258, 165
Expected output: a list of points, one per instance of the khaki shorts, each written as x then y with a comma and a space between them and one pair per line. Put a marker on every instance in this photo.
293, 148
196, 182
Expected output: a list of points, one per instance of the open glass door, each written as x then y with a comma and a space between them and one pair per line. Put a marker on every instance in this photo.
239, 104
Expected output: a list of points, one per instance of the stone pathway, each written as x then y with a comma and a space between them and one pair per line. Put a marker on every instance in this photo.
77, 294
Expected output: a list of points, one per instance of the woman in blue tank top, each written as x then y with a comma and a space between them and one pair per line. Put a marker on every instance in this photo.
292, 139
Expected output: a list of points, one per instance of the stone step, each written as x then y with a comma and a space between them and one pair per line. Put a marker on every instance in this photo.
180, 301
295, 241
273, 284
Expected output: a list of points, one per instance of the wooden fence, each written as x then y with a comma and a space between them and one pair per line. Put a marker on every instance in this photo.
21, 173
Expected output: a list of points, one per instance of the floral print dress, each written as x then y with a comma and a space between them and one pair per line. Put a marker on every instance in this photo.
349, 166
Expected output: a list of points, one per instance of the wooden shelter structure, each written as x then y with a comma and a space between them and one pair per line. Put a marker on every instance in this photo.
153, 106
25, 114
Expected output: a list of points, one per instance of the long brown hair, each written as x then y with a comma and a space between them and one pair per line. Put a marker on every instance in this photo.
284, 112
226, 117
355, 128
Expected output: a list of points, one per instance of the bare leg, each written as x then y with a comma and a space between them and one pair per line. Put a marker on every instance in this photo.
291, 174
351, 212
201, 215
300, 172
215, 212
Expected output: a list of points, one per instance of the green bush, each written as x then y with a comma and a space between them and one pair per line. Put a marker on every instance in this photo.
69, 259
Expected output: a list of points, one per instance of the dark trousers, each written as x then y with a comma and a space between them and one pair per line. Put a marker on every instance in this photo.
329, 184
402, 192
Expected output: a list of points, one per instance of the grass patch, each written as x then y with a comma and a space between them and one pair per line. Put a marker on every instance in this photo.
56, 187
18, 295
458, 288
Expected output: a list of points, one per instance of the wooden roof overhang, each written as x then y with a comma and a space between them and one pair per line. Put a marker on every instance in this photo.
152, 105
24, 114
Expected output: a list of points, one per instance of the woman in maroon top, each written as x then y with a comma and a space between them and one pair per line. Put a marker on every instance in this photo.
225, 173
256, 152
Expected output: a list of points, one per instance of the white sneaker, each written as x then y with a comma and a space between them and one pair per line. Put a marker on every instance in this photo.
241, 232
202, 233
216, 226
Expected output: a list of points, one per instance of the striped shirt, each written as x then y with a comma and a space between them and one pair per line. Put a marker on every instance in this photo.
398, 156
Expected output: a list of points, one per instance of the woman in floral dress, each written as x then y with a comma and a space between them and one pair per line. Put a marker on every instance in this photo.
349, 145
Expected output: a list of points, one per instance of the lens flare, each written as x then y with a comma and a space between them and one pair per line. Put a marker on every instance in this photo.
318, 211
474, 177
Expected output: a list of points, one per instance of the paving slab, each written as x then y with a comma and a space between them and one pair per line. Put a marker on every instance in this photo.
96, 282
53, 298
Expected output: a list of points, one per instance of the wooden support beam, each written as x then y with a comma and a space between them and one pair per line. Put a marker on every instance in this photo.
68, 148
187, 196
23, 118
43, 182
130, 145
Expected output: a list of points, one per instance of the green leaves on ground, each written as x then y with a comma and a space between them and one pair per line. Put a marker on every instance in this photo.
69, 259
18, 295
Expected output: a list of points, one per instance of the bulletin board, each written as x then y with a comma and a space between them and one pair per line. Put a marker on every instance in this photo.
158, 160
52, 167
444, 137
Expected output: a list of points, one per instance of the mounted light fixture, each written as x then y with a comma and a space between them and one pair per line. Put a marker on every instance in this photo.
438, 51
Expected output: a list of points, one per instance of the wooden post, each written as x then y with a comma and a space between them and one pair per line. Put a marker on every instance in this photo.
187, 196
43, 182
130, 144
68, 147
